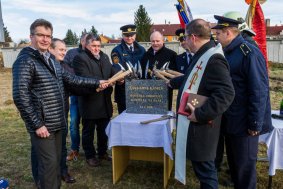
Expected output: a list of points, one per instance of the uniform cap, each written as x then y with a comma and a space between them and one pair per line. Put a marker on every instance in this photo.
180, 33
225, 22
242, 27
129, 29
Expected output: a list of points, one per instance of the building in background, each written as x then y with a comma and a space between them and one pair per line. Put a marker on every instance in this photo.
167, 30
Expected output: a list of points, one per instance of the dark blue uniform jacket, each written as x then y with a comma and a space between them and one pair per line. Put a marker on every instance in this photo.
251, 106
122, 54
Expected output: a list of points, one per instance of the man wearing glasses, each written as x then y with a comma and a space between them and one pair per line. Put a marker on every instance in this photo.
129, 51
38, 93
198, 133
183, 60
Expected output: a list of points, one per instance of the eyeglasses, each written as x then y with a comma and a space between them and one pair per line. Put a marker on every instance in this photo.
40, 35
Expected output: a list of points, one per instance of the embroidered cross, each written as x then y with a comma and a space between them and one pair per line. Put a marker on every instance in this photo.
195, 102
195, 75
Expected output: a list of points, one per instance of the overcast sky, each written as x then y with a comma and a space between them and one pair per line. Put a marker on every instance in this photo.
108, 16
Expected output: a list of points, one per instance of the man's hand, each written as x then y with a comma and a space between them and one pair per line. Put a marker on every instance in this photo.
253, 133
120, 82
103, 84
168, 84
192, 116
42, 132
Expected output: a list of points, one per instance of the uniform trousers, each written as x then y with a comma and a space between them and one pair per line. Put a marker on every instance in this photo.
242, 157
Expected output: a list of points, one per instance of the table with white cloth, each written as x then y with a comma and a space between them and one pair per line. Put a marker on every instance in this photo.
274, 143
131, 140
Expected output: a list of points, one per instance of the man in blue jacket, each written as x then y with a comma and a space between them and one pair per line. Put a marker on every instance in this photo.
250, 113
183, 60
128, 51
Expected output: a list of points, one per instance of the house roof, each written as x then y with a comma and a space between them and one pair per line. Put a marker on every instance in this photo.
165, 29
114, 41
274, 30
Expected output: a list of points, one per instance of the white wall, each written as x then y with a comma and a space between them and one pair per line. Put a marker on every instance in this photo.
274, 51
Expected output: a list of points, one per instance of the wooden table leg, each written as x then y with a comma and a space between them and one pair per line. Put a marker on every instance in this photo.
167, 168
120, 160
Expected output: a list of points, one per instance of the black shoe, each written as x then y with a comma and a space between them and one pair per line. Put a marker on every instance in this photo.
93, 162
105, 157
68, 178
228, 183
37, 184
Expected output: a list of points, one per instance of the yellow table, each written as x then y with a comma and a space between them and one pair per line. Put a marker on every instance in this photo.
122, 154
130, 140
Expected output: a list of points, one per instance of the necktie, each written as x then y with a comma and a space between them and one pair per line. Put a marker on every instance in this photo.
190, 58
131, 48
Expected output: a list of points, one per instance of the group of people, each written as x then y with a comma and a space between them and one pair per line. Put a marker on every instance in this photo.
231, 72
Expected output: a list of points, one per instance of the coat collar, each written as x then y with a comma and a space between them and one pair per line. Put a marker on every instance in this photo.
234, 43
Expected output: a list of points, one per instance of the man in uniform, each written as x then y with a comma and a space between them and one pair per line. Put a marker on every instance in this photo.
250, 113
158, 56
246, 32
248, 35
183, 60
129, 51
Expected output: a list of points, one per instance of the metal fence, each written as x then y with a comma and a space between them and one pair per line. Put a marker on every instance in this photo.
274, 51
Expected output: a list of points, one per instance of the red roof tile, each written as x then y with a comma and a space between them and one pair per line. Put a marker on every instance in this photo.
165, 29
273, 30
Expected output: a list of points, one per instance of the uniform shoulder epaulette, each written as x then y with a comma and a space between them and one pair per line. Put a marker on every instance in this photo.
245, 49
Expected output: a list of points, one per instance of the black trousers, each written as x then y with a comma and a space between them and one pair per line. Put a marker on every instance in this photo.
89, 127
63, 164
46, 152
242, 157
206, 174
121, 107
220, 151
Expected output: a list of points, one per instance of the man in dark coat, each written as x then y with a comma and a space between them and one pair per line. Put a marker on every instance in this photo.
96, 109
200, 130
129, 51
250, 113
183, 60
248, 35
39, 93
158, 56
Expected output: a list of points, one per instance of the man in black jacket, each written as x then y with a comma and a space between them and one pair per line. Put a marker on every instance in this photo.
96, 109
75, 117
38, 93
198, 133
158, 56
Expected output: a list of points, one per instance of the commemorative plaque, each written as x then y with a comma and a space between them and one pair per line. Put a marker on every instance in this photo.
146, 97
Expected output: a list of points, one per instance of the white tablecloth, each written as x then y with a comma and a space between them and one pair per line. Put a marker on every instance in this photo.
126, 130
274, 142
